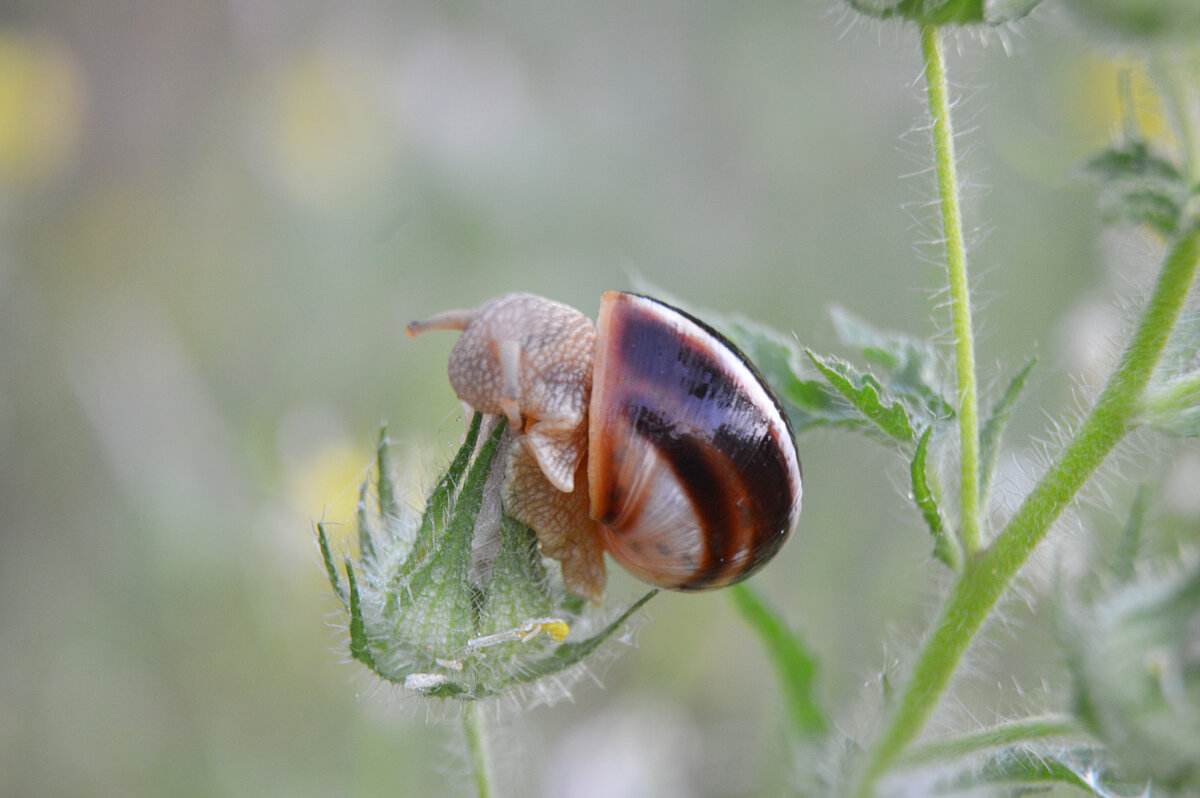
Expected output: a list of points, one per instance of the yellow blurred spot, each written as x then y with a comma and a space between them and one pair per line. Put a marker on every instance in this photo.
325, 485
1095, 102
41, 108
330, 136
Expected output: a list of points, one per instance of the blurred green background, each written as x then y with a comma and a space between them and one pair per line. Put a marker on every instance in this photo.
215, 220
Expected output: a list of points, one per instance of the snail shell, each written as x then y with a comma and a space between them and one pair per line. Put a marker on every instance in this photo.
649, 436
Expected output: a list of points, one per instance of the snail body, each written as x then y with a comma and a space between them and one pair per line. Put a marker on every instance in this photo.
648, 435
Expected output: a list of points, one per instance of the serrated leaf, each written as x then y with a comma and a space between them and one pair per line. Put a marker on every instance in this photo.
884, 414
945, 545
795, 666
993, 428
910, 365
1139, 186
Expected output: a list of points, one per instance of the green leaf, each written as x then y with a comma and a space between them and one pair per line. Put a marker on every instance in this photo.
945, 545
989, 436
795, 667
366, 541
910, 366
327, 558
885, 414
360, 646
1139, 186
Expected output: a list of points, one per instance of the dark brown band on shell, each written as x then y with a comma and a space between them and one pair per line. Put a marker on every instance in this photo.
691, 396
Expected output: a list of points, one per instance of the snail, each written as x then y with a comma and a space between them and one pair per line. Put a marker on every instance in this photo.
647, 435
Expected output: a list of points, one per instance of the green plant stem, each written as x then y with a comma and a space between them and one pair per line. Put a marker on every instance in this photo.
988, 574
960, 299
477, 747
1024, 730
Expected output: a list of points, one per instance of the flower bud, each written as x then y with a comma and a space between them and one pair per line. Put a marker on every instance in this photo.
946, 12
459, 603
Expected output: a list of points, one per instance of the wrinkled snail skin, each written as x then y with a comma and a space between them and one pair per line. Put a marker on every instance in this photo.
692, 477
691, 464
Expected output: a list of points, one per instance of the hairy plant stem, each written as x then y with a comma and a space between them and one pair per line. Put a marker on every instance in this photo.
987, 574
477, 747
960, 300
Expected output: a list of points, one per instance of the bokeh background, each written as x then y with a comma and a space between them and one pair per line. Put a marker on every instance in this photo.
215, 220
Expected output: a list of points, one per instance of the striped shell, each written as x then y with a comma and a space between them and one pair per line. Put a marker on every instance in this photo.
683, 466
692, 469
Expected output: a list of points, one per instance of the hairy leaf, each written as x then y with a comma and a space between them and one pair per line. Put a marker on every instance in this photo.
1139, 186
945, 545
327, 558
360, 646
882, 413
909, 366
